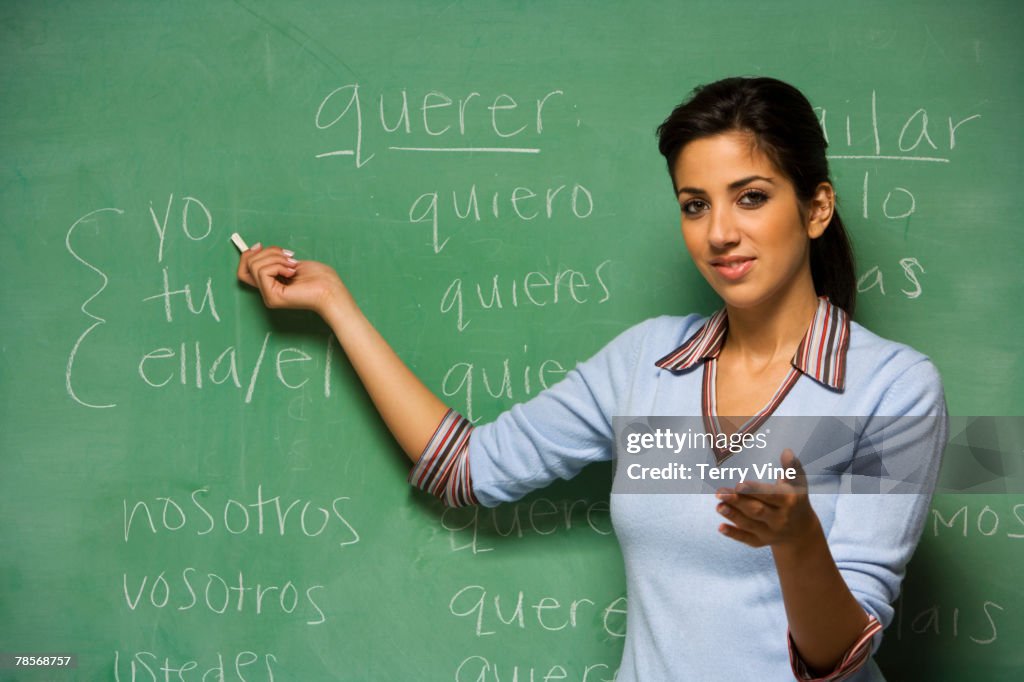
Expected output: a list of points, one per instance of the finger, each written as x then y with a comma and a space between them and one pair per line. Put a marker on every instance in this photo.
272, 285
767, 493
771, 492
264, 259
749, 507
270, 257
740, 535
743, 520
244, 260
767, 496
268, 273
271, 253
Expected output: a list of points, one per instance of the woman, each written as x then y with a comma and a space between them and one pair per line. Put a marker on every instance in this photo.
714, 585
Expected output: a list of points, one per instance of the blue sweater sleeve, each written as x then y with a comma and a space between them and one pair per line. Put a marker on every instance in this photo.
560, 430
874, 534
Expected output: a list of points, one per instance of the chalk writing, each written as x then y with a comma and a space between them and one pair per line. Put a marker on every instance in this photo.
215, 594
977, 623
440, 119
186, 291
985, 521
189, 205
68, 383
462, 379
261, 515
147, 666
916, 135
191, 363
482, 669
544, 613
522, 203
910, 268
532, 289
470, 527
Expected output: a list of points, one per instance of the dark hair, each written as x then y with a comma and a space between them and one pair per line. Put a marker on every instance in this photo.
785, 129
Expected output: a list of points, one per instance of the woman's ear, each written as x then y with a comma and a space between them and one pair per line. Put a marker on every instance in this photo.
821, 208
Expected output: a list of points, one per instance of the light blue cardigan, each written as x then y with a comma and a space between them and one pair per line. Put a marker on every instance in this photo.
702, 606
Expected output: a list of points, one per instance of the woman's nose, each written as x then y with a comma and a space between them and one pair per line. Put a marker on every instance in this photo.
722, 230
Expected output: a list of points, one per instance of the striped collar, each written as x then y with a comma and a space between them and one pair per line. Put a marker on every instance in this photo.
821, 354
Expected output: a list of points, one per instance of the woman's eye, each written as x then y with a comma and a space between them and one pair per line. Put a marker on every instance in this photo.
753, 198
693, 207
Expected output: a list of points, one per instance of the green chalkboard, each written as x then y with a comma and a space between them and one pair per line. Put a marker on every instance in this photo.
191, 482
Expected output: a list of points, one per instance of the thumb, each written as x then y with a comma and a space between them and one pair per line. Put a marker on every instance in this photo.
243, 273
790, 460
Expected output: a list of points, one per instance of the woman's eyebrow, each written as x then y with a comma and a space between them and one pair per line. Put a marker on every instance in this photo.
732, 185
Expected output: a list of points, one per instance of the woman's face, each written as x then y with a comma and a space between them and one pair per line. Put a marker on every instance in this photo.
742, 223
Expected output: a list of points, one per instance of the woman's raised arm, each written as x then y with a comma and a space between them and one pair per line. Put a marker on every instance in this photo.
410, 410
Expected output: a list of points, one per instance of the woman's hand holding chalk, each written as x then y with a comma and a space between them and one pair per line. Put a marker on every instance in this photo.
287, 283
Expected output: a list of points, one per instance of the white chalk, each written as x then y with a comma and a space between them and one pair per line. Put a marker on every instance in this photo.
239, 242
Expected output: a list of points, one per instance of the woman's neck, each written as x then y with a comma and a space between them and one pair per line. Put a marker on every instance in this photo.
772, 331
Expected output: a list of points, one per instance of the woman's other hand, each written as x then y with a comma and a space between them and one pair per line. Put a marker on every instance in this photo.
769, 514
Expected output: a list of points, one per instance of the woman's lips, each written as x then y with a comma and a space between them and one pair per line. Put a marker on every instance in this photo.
733, 269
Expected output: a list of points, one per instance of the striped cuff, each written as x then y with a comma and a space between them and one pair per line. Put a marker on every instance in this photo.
856, 656
443, 467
